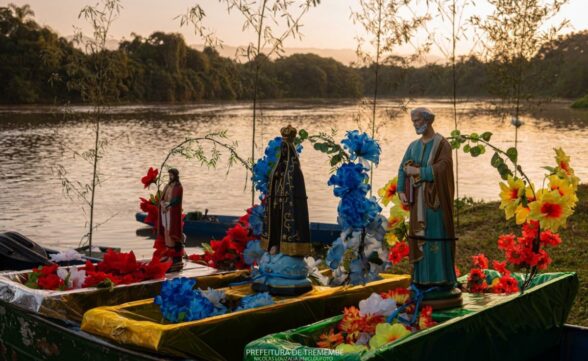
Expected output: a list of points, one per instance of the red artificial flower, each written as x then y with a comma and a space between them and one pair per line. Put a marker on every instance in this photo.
330, 340
94, 279
426, 318
516, 255
50, 282
457, 271
506, 284
398, 252
152, 212
368, 323
501, 267
118, 262
506, 241
543, 260
155, 269
480, 261
399, 295
477, 281
150, 178
549, 238
530, 230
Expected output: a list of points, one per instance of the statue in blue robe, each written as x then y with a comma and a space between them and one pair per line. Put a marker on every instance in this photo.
425, 182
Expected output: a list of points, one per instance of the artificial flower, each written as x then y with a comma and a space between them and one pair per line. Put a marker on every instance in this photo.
255, 300
362, 146
510, 195
256, 219
253, 252
389, 191
386, 333
347, 348
330, 340
391, 239
564, 187
506, 242
480, 261
399, 295
335, 253
477, 281
505, 284
356, 211
150, 178
398, 252
66, 256
551, 210
426, 318
549, 238
377, 306
500, 267
348, 178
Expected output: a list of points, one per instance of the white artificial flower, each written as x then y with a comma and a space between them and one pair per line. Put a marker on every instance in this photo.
375, 305
216, 297
76, 278
66, 256
314, 271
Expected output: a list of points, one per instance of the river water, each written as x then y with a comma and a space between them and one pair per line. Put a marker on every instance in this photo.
36, 140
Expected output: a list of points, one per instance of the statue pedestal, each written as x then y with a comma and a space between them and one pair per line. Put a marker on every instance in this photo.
443, 299
281, 275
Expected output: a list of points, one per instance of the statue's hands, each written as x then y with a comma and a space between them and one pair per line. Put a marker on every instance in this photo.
403, 198
412, 171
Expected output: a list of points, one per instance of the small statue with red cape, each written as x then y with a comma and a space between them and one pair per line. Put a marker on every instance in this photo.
170, 221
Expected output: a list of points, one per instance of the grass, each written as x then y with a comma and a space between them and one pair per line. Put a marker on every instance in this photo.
481, 225
581, 103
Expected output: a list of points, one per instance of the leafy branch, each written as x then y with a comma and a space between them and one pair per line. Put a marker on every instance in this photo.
326, 143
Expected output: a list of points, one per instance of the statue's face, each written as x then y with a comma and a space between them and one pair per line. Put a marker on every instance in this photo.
172, 177
420, 124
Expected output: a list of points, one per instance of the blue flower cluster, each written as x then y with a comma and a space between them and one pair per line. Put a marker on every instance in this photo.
180, 302
253, 252
361, 145
335, 253
355, 209
255, 300
256, 219
264, 165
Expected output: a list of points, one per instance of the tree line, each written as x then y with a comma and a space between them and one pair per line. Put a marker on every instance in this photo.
39, 66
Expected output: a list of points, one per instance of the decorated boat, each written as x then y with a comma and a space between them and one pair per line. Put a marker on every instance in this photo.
214, 227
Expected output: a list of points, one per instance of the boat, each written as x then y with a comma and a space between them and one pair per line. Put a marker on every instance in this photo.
210, 227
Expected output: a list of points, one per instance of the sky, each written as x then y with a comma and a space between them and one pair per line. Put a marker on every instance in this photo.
327, 26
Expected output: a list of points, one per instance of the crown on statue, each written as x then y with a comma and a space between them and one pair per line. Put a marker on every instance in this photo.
289, 133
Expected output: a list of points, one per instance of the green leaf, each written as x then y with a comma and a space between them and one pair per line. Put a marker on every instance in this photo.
335, 159
475, 151
303, 134
455, 133
474, 137
496, 160
550, 169
486, 136
455, 144
504, 171
467, 148
512, 154
482, 148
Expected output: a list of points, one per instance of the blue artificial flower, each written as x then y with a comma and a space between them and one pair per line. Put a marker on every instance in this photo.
335, 253
348, 178
256, 220
356, 211
357, 272
179, 302
362, 146
254, 301
264, 165
253, 252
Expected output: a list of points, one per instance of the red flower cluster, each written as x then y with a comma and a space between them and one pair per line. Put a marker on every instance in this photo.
353, 324
150, 178
150, 207
399, 295
519, 252
477, 280
45, 278
480, 261
123, 268
398, 252
227, 254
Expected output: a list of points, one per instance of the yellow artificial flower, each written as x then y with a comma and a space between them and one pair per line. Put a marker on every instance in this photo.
386, 333
564, 187
347, 348
564, 170
388, 191
510, 195
550, 209
522, 212
391, 238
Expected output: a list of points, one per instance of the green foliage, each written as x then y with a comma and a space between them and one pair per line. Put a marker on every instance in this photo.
581, 103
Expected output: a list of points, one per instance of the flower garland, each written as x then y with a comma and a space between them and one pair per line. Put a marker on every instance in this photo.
179, 302
365, 328
396, 227
116, 268
357, 256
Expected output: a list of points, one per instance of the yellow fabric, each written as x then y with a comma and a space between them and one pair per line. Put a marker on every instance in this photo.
224, 337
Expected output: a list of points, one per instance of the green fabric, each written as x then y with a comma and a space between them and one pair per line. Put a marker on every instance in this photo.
436, 267
488, 327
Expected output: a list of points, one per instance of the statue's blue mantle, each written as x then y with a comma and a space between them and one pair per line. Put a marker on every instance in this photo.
281, 275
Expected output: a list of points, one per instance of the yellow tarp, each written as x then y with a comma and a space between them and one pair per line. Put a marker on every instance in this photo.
224, 337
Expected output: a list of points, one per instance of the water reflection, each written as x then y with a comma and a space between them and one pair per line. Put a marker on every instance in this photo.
33, 140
